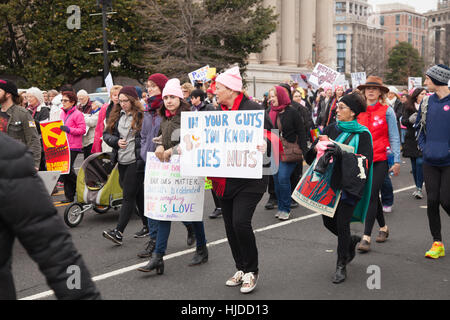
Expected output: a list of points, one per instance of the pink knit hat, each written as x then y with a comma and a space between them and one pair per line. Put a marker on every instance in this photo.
231, 79
173, 88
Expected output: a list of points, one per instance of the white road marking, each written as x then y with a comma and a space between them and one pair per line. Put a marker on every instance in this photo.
115, 273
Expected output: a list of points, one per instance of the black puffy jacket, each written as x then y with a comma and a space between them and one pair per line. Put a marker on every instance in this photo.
27, 213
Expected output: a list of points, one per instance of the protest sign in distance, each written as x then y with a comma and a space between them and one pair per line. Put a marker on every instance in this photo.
56, 147
222, 144
323, 76
199, 75
167, 195
414, 83
358, 78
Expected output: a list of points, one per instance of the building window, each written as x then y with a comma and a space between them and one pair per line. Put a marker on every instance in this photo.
397, 19
409, 37
382, 20
409, 20
341, 51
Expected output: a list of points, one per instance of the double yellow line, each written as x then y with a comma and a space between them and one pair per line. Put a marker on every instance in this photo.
58, 203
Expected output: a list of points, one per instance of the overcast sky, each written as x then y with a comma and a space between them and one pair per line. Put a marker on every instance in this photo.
420, 5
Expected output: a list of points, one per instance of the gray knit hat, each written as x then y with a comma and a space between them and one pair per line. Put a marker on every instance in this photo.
439, 74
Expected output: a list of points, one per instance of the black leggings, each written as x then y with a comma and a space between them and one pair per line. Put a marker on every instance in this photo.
70, 179
237, 215
340, 226
132, 183
375, 210
437, 183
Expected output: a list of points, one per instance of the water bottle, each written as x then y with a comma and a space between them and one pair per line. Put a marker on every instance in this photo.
390, 158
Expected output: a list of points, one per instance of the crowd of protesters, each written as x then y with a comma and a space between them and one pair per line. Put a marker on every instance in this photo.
378, 121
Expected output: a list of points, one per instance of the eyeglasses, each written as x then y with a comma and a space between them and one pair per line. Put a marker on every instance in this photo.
340, 107
65, 100
124, 101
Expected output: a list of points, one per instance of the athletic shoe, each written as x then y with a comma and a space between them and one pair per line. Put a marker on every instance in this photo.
235, 280
113, 235
249, 281
387, 209
142, 233
271, 204
284, 215
217, 213
294, 205
419, 194
436, 251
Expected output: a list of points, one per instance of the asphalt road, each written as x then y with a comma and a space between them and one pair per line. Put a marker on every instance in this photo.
296, 258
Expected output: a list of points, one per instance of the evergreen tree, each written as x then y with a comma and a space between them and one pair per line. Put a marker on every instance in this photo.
404, 61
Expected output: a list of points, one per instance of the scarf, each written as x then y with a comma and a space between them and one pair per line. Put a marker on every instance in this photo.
32, 109
236, 103
333, 107
283, 102
349, 127
170, 114
154, 103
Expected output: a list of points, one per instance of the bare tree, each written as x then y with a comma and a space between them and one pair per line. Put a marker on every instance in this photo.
369, 56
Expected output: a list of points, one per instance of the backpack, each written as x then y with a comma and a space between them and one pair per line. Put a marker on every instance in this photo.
423, 117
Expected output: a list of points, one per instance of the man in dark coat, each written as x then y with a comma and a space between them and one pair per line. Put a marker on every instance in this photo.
27, 213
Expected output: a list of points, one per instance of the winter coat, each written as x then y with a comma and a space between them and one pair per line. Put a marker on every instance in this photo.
293, 127
150, 130
410, 147
91, 120
27, 213
74, 119
112, 140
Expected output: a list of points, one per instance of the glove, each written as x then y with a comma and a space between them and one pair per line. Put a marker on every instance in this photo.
335, 151
65, 129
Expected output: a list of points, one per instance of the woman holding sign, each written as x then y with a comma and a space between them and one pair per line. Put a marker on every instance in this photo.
239, 196
351, 174
123, 135
168, 143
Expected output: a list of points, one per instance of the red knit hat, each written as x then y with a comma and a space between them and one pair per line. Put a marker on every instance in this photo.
159, 79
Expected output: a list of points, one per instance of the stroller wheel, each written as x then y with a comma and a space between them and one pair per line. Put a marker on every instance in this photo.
73, 215
101, 209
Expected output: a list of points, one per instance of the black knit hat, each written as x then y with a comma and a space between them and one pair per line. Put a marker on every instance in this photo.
439, 74
9, 87
355, 102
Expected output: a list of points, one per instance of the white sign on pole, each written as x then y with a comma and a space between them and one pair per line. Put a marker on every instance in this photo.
167, 195
200, 75
222, 144
414, 83
358, 78
323, 76
109, 82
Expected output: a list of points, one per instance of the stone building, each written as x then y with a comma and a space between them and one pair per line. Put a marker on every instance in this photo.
303, 37
438, 49
359, 38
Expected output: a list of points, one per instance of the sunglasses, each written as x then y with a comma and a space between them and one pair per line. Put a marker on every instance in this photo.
65, 100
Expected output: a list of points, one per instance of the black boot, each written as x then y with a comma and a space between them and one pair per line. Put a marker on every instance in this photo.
201, 256
190, 235
352, 249
147, 252
156, 262
341, 271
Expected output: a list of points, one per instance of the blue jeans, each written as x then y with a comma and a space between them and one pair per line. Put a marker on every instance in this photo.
164, 232
387, 192
152, 228
282, 182
417, 170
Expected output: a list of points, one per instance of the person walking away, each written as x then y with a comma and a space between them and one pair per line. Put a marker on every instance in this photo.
16, 121
381, 121
75, 127
290, 124
410, 148
40, 112
170, 112
123, 135
239, 197
434, 141
352, 174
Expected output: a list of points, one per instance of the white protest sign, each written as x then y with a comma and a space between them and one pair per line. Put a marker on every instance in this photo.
297, 78
414, 83
109, 82
167, 195
200, 75
222, 144
323, 76
358, 78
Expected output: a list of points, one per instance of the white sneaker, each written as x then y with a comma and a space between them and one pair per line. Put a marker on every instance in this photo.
419, 194
278, 214
387, 209
284, 215
235, 280
249, 282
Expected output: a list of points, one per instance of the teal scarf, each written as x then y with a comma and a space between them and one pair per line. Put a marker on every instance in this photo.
349, 127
